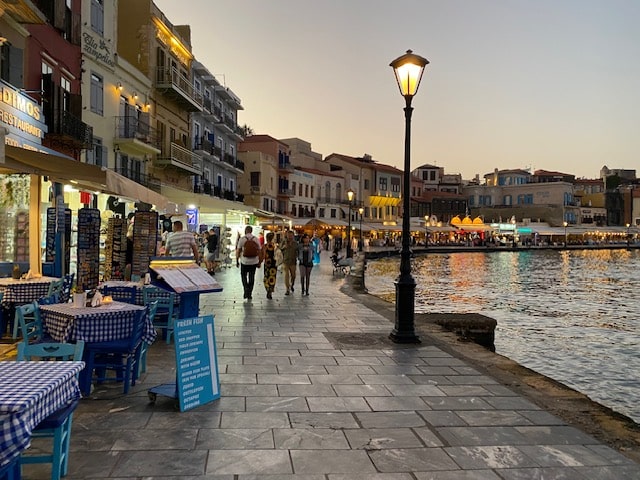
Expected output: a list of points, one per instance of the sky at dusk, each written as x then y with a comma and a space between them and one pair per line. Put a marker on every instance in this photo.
544, 84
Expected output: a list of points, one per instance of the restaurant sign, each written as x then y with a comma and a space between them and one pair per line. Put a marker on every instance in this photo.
196, 362
22, 117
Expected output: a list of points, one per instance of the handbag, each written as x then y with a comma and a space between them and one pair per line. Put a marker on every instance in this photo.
278, 256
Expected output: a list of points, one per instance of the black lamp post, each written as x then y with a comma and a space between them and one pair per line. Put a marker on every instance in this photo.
350, 194
565, 233
361, 240
408, 70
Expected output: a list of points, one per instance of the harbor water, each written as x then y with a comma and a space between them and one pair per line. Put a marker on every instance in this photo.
572, 315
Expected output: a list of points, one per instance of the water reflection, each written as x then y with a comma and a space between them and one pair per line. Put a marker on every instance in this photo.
571, 315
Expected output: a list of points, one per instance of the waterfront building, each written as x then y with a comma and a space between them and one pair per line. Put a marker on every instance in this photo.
162, 52
514, 193
377, 189
265, 180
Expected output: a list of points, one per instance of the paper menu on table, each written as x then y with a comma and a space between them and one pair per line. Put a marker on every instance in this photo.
176, 279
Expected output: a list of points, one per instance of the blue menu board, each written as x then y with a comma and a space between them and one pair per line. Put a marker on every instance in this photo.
196, 362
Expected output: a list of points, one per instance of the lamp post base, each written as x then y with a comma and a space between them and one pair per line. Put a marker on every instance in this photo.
404, 329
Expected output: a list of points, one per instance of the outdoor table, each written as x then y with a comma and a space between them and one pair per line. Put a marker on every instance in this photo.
20, 292
139, 289
65, 322
29, 393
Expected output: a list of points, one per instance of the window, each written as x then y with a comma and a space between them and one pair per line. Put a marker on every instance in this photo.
395, 184
383, 184
333, 213
197, 86
312, 191
98, 154
321, 212
255, 179
300, 190
97, 94
432, 175
306, 190
507, 200
366, 184
97, 16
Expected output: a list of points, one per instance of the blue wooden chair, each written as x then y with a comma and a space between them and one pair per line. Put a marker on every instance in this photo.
119, 356
29, 323
121, 294
11, 471
166, 313
55, 287
56, 426
142, 362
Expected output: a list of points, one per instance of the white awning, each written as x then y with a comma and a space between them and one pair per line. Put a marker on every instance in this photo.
64, 169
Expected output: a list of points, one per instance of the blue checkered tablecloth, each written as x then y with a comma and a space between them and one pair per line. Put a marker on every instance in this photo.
20, 292
29, 393
113, 321
139, 290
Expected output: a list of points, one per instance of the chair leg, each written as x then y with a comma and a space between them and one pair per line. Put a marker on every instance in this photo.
66, 444
57, 461
15, 328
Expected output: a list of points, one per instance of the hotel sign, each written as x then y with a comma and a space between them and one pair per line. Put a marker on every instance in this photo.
22, 117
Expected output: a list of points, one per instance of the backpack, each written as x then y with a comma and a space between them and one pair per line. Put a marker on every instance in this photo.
251, 248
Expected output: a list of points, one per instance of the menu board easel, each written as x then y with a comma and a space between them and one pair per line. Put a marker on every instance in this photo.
183, 276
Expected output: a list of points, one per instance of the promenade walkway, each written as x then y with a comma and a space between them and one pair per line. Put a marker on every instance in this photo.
312, 391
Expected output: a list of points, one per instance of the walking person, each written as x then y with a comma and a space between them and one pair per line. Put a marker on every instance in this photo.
248, 259
270, 264
305, 257
212, 251
289, 249
181, 243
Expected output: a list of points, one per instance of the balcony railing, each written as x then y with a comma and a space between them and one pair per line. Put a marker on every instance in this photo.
143, 179
285, 166
183, 158
173, 82
69, 129
206, 188
132, 128
287, 192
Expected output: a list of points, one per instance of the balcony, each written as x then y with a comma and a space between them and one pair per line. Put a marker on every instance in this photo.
67, 129
286, 192
183, 159
179, 88
209, 111
240, 165
224, 124
285, 166
136, 137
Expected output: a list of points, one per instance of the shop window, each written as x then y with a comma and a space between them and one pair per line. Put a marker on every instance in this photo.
11, 65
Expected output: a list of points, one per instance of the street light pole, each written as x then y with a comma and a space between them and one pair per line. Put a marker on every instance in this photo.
565, 233
350, 194
408, 69
361, 240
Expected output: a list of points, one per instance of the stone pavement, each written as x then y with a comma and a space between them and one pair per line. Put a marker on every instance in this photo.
311, 390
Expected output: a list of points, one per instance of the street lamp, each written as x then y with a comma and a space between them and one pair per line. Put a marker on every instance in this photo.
350, 194
361, 241
513, 240
565, 233
408, 69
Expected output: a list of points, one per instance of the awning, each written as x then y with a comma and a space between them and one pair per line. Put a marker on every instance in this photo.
64, 169
380, 201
